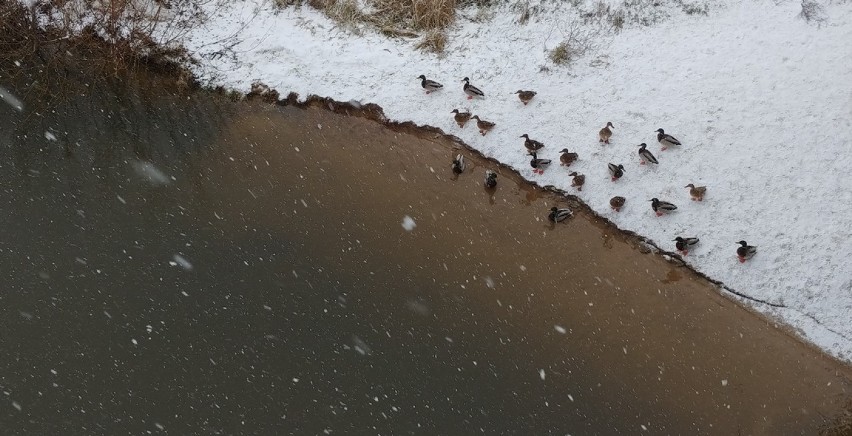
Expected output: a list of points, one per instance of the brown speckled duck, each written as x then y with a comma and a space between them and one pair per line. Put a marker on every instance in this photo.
461, 117
567, 157
484, 126
578, 181
531, 144
696, 192
525, 96
606, 132
617, 202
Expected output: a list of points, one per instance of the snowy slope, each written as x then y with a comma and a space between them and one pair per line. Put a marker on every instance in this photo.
760, 99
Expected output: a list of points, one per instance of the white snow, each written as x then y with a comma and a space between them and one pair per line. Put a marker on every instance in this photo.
150, 173
49, 136
559, 329
10, 99
408, 223
759, 97
181, 261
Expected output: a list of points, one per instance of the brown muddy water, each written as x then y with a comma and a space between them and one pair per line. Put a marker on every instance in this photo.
183, 264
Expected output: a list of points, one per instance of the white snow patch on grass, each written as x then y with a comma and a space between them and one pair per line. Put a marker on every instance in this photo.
758, 96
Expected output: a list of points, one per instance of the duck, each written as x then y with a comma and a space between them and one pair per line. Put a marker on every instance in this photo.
617, 202
539, 165
471, 90
429, 85
558, 215
461, 117
745, 251
458, 164
606, 132
531, 144
683, 244
490, 179
661, 207
616, 171
525, 96
666, 140
578, 181
645, 155
567, 157
696, 192
484, 126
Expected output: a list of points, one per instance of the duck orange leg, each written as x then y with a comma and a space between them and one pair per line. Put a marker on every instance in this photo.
470, 97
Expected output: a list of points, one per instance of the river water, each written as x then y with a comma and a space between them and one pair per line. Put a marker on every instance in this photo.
180, 263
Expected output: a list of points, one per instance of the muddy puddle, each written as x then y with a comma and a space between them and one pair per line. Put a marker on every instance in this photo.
249, 269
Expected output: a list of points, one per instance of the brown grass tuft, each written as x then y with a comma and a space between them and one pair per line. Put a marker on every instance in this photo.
434, 41
414, 14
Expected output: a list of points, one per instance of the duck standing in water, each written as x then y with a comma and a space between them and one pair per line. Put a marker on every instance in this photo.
490, 179
606, 132
666, 140
429, 85
525, 96
567, 158
531, 144
661, 207
461, 117
646, 155
683, 244
578, 180
537, 164
471, 90
696, 192
458, 165
617, 202
745, 251
558, 215
483, 126
616, 171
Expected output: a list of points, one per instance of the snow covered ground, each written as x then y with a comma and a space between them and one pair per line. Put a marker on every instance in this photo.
760, 99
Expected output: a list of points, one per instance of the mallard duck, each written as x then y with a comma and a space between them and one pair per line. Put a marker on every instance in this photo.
558, 215
578, 181
606, 132
429, 85
471, 90
617, 202
490, 179
745, 251
616, 171
567, 158
484, 126
537, 164
525, 96
645, 155
696, 192
666, 140
458, 164
683, 244
461, 117
531, 144
661, 207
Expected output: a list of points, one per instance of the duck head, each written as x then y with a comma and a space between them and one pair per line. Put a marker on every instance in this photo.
609, 124
689, 186
475, 117
564, 150
661, 131
643, 145
525, 136
743, 243
421, 77
466, 80
654, 200
454, 111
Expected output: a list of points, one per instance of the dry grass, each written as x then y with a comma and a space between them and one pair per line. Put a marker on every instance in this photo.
414, 14
812, 12
434, 41
578, 39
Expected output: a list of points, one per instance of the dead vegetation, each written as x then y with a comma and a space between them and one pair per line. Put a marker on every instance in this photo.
812, 12
578, 39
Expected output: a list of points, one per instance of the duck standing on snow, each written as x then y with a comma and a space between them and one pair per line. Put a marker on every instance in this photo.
531, 144
471, 90
606, 132
578, 180
617, 202
745, 251
483, 126
683, 244
616, 171
537, 164
490, 179
696, 192
429, 85
661, 207
666, 140
646, 155
567, 158
558, 215
525, 96
461, 117
458, 164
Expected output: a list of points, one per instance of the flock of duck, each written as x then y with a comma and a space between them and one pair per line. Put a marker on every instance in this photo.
566, 158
